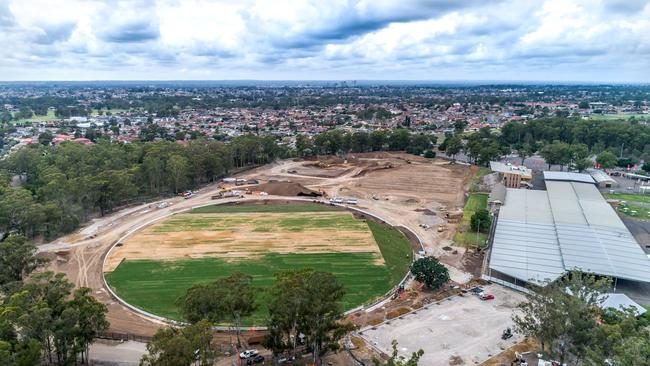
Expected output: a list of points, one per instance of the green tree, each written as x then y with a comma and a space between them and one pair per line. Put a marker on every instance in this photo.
91, 319
308, 303
562, 315
378, 139
453, 146
481, 221
18, 211
557, 153
44, 314
582, 164
237, 298
431, 272
45, 138
400, 139
178, 347
16, 261
606, 159
168, 347
304, 146
396, 360
201, 301
177, 168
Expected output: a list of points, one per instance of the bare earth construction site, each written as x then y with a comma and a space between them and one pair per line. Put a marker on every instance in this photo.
410, 193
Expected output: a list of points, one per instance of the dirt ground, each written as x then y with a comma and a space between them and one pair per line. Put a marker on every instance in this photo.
242, 235
401, 189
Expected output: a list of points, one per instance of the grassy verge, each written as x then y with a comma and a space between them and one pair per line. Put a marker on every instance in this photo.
476, 179
464, 237
635, 206
629, 197
275, 207
395, 248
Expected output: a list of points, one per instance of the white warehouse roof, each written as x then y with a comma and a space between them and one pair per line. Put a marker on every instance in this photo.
568, 177
600, 176
541, 234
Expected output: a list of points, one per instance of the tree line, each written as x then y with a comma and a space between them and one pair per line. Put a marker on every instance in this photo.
63, 185
560, 141
338, 141
627, 137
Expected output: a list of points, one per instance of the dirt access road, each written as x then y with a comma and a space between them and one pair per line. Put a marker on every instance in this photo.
399, 188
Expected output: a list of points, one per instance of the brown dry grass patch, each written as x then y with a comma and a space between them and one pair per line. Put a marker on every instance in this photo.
247, 235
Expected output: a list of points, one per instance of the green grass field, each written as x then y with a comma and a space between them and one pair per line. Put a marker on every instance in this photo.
633, 202
623, 117
155, 285
645, 198
469, 238
35, 118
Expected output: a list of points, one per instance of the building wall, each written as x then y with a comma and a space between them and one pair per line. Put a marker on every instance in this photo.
511, 180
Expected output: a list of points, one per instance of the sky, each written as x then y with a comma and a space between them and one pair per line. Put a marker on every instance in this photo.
509, 40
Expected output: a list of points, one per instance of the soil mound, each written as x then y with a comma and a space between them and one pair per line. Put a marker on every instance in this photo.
278, 188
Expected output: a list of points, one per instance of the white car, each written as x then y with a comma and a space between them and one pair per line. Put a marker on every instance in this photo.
248, 353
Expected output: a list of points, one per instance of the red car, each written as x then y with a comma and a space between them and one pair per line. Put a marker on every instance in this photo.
485, 296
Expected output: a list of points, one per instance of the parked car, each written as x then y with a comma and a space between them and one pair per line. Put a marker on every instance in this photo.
256, 359
248, 353
485, 296
476, 290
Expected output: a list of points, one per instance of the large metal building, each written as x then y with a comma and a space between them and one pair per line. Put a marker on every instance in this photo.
540, 235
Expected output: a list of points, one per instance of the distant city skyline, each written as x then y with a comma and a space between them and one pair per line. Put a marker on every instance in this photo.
409, 40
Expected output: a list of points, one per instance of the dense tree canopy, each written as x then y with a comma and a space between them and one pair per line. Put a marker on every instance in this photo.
64, 184
596, 135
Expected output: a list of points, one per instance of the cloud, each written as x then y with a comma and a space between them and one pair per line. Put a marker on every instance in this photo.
360, 39
625, 6
49, 34
140, 30
6, 16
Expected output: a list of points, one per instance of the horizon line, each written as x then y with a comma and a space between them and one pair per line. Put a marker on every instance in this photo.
404, 81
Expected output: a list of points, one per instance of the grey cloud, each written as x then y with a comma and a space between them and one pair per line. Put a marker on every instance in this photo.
137, 31
353, 22
6, 16
625, 6
54, 33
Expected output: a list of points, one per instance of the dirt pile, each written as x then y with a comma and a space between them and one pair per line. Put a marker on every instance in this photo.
374, 166
291, 189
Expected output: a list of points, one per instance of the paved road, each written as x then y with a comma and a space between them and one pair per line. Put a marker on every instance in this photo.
121, 353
